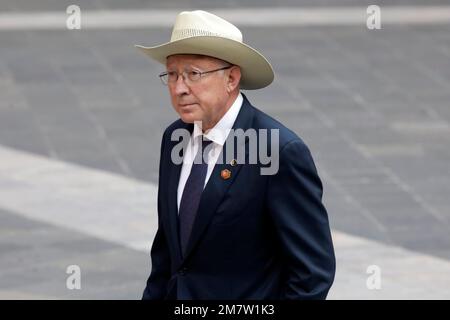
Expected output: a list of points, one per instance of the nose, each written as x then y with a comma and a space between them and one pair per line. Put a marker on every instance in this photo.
180, 86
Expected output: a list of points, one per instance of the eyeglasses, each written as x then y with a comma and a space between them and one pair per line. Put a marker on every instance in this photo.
191, 75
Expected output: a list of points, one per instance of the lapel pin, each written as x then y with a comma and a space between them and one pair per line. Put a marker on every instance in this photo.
225, 174
233, 162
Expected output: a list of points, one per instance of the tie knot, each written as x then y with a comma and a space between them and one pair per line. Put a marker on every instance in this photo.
202, 156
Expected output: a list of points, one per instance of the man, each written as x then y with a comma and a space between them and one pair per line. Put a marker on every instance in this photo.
225, 230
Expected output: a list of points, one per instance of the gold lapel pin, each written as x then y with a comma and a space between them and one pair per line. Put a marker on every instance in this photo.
233, 162
225, 174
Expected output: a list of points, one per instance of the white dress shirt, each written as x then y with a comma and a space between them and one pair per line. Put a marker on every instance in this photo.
218, 135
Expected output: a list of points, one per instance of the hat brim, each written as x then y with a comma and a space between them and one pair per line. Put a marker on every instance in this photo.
256, 71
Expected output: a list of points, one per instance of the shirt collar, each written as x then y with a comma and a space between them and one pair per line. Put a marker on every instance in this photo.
219, 133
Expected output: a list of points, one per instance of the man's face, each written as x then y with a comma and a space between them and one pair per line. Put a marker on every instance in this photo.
203, 100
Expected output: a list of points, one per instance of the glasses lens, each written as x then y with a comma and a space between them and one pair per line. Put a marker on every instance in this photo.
163, 77
193, 75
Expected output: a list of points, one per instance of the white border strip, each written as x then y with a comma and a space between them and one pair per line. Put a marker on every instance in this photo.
278, 16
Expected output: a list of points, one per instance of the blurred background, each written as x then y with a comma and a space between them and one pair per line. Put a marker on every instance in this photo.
82, 114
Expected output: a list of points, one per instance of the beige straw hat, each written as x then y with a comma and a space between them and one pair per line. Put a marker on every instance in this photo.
201, 32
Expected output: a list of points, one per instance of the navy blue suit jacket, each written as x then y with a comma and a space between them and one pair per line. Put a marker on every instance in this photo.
255, 236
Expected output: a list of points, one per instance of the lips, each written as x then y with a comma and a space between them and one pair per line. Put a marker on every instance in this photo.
186, 105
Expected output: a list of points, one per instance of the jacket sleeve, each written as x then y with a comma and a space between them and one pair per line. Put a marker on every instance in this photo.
156, 288
301, 221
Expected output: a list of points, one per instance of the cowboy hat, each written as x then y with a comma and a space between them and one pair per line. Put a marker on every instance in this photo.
203, 33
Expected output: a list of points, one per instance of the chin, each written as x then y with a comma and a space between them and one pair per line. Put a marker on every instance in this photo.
189, 114
188, 117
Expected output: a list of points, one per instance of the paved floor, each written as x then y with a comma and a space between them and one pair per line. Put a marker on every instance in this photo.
79, 108
103, 223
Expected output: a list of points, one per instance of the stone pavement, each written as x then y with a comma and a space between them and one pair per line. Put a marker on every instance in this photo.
104, 223
81, 118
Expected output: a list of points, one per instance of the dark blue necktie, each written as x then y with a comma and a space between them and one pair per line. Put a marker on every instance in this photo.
191, 195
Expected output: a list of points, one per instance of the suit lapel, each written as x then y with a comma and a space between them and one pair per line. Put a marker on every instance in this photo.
174, 177
217, 186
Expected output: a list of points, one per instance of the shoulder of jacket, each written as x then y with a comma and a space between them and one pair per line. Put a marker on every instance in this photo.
286, 135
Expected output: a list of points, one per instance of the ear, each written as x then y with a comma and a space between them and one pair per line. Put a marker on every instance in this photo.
234, 78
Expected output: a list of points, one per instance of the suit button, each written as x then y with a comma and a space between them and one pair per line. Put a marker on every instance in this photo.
182, 271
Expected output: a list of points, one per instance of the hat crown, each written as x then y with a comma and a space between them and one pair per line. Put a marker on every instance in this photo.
201, 23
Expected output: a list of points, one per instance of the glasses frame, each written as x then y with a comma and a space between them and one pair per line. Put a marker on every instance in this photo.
185, 75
